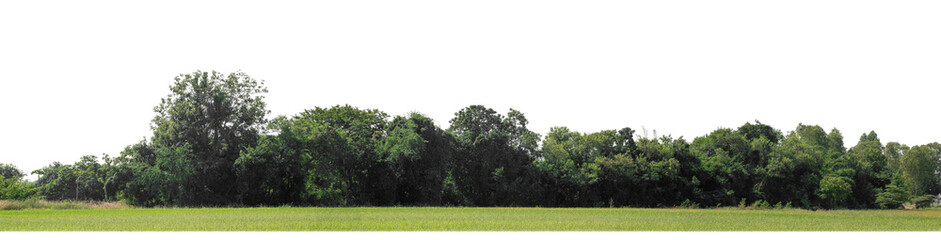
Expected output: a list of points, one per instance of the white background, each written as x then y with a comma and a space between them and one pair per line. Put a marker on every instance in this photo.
82, 77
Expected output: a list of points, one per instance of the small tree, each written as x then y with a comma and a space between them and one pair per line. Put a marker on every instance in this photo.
9, 171
892, 197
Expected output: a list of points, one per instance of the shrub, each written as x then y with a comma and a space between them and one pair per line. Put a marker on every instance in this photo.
689, 204
892, 197
761, 204
924, 201
15, 189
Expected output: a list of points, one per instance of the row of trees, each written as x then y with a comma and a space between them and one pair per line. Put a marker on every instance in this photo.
212, 145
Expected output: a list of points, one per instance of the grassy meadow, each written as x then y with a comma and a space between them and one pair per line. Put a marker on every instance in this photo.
465, 219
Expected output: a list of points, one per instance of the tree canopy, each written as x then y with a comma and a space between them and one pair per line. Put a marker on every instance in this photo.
213, 144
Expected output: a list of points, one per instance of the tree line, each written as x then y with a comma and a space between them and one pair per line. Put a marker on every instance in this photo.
213, 145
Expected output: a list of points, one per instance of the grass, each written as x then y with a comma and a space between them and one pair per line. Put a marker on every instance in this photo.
465, 219
43, 204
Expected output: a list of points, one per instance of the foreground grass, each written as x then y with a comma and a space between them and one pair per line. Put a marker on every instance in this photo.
464, 219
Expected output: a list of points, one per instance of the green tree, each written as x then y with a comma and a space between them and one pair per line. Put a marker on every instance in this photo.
797, 167
16, 189
57, 181
168, 182
12, 186
9, 171
892, 197
215, 116
367, 179
893, 155
919, 167
419, 154
837, 187
495, 156
271, 173
728, 160
869, 164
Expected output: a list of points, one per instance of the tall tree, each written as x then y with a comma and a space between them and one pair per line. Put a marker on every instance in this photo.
919, 167
215, 116
727, 158
869, 165
496, 154
418, 153
893, 156
796, 167
369, 180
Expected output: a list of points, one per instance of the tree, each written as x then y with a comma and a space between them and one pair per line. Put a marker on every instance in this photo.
919, 167
271, 173
167, 182
869, 164
367, 179
569, 170
12, 186
893, 155
15, 189
495, 155
727, 159
892, 197
55, 181
758, 130
9, 171
797, 167
837, 187
215, 116
419, 153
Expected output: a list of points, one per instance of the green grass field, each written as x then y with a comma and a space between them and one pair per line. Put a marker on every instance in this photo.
465, 219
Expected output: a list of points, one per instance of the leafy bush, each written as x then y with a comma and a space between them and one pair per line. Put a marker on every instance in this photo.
15, 189
924, 201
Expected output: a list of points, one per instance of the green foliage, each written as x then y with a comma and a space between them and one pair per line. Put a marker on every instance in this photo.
12, 186
495, 156
168, 182
689, 204
357, 162
15, 189
419, 155
797, 168
212, 145
835, 188
271, 173
9, 171
892, 197
871, 173
87, 179
919, 167
215, 116
761, 204
923, 201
